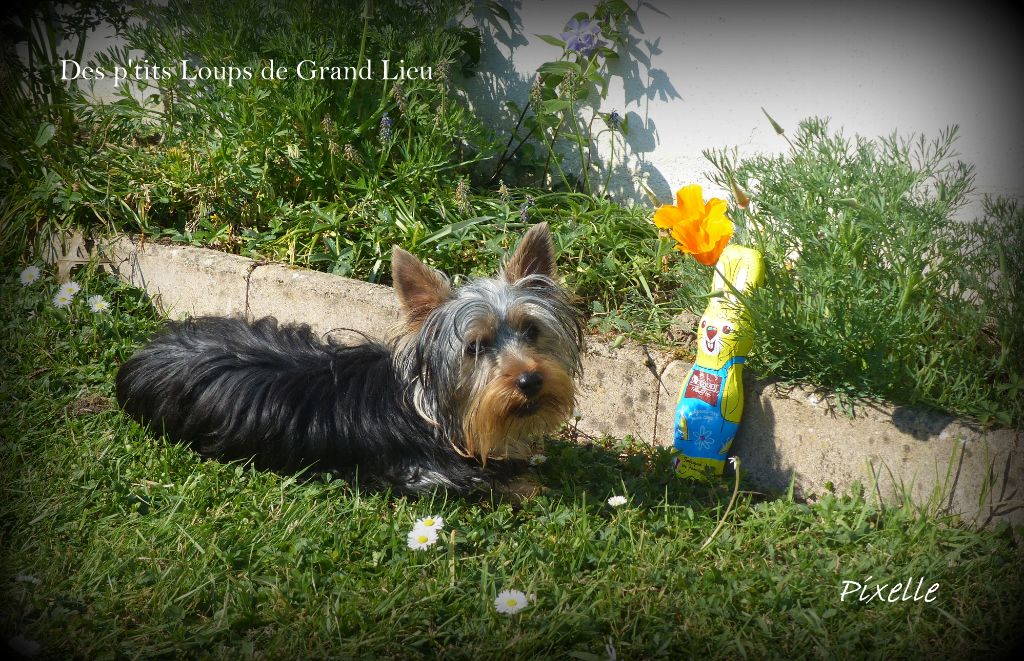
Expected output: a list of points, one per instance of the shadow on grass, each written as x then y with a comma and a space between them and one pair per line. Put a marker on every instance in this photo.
578, 471
591, 471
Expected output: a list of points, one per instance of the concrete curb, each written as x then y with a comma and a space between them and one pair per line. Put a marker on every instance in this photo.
789, 434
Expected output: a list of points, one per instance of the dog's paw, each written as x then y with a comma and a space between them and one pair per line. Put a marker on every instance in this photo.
519, 489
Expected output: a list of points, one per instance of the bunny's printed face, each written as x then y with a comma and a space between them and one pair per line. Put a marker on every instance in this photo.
723, 334
714, 334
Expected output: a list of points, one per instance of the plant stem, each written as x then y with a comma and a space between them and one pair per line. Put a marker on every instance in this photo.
611, 165
721, 522
506, 155
362, 52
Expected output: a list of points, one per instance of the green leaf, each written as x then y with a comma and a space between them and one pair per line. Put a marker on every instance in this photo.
555, 105
554, 41
452, 228
45, 134
471, 43
775, 125
560, 68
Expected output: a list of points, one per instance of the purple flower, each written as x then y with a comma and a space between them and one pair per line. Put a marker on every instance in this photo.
385, 128
583, 37
615, 119
524, 208
524, 212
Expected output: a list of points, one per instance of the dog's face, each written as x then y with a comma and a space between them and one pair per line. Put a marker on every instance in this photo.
497, 358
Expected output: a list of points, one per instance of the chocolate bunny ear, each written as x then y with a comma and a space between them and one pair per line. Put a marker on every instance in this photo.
739, 269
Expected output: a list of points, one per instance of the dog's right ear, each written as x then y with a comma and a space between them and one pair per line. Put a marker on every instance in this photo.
420, 288
535, 255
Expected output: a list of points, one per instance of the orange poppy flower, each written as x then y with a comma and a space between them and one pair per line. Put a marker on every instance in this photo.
700, 229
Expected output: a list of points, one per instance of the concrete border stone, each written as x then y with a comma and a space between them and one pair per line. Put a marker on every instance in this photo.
182, 280
319, 299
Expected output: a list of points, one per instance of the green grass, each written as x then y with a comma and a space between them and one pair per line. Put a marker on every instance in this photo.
142, 549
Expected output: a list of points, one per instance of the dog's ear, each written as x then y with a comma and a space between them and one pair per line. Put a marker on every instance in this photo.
419, 287
535, 255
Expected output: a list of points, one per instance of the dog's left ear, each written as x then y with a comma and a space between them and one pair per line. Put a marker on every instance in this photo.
535, 255
420, 288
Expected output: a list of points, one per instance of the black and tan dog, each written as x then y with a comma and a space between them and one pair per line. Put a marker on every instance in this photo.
452, 402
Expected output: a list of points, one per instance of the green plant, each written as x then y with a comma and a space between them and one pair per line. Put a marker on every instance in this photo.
561, 93
875, 286
181, 153
42, 123
887, 298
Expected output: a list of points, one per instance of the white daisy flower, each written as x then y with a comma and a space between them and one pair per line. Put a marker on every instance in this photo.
510, 602
98, 304
538, 459
434, 523
617, 501
421, 538
63, 299
70, 288
29, 275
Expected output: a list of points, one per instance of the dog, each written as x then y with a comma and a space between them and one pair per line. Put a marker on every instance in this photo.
453, 401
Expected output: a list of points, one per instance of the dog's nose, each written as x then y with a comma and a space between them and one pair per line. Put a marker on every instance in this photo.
530, 383
712, 332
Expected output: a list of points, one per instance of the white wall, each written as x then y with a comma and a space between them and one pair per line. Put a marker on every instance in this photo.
873, 67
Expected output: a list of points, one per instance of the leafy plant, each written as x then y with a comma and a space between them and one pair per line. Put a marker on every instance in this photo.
42, 122
875, 285
554, 114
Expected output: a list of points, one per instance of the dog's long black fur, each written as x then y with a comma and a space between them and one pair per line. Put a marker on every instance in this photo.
278, 395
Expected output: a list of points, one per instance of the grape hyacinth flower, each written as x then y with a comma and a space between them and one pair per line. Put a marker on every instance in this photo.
582, 36
524, 208
385, 127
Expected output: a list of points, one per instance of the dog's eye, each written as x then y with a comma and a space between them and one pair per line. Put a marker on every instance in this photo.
727, 329
531, 332
477, 347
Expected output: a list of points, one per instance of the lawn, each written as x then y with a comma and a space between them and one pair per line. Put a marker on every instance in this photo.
119, 544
